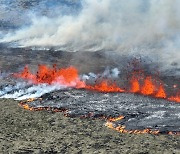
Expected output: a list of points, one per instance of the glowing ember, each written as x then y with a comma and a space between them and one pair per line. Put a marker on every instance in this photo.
122, 129
175, 86
24, 105
116, 118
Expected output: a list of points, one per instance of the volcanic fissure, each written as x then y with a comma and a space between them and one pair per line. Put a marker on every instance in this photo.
142, 106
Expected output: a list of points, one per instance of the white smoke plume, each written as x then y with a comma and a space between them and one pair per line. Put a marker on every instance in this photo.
113, 73
25, 90
150, 27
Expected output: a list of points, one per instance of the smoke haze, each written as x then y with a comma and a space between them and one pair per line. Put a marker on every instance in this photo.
148, 28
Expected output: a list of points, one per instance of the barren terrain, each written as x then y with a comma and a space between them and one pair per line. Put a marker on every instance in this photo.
23, 131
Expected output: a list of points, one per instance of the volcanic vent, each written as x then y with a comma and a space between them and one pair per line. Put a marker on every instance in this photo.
142, 105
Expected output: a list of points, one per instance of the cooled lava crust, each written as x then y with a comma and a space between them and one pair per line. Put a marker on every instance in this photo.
140, 112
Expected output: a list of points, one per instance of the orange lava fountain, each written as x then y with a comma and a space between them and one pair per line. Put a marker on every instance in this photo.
161, 92
151, 88
148, 88
135, 86
69, 77
105, 86
66, 76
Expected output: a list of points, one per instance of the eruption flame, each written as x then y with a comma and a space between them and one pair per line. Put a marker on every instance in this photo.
135, 87
69, 77
65, 76
161, 92
148, 87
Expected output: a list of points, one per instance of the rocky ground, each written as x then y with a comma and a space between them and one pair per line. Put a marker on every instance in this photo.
23, 131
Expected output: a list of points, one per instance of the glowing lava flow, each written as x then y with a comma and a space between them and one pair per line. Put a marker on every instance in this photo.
24, 105
69, 77
175, 98
105, 86
122, 129
109, 120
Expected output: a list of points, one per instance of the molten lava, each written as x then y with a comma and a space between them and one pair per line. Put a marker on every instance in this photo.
161, 92
135, 86
175, 98
115, 118
148, 88
109, 120
65, 76
105, 86
69, 77
151, 88
122, 129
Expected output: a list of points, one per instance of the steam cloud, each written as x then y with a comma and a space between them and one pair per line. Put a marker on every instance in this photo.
26, 90
150, 28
